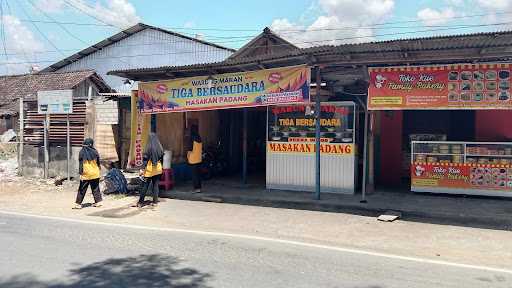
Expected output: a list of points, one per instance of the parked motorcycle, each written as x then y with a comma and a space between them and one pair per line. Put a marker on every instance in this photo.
214, 164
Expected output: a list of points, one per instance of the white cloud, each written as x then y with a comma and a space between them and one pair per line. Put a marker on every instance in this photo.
21, 45
431, 16
18, 37
341, 21
455, 2
189, 24
119, 13
50, 6
495, 4
498, 12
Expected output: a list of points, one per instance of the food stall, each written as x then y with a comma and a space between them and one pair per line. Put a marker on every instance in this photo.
291, 147
478, 168
441, 164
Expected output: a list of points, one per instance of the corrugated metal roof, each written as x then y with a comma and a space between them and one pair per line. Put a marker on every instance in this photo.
475, 40
471, 40
118, 37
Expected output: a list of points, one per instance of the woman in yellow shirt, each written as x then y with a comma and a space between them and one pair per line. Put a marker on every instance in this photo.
89, 170
152, 168
194, 157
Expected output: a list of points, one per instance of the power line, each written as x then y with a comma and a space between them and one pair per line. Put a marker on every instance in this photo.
344, 27
105, 24
60, 25
69, 32
2, 30
23, 52
244, 38
69, 3
38, 30
387, 28
399, 33
303, 42
65, 23
8, 7
281, 32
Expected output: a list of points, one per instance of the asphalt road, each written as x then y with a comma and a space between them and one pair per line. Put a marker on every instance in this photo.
53, 253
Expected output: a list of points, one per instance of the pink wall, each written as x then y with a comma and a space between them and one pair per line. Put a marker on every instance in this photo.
390, 148
493, 125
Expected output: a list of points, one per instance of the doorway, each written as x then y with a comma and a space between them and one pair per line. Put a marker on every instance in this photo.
231, 133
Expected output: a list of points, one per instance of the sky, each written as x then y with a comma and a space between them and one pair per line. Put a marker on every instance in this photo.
37, 33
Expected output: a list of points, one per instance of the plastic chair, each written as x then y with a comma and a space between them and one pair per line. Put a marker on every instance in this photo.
167, 180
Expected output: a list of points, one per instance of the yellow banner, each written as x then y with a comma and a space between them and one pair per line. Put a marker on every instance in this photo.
140, 125
284, 85
309, 148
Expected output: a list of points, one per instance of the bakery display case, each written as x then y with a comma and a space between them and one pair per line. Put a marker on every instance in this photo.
475, 168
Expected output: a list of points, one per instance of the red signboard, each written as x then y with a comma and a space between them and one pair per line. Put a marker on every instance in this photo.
465, 176
461, 86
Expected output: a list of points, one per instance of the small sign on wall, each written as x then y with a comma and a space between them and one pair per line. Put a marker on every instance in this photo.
55, 102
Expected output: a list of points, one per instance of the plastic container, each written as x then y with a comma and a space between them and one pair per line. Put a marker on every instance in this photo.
167, 159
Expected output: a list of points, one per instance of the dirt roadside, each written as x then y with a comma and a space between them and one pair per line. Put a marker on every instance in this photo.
439, 242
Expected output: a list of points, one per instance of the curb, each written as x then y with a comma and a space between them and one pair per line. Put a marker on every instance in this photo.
497, 223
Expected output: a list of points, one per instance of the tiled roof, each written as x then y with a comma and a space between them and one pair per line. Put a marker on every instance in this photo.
9, 109
14, 86
477, 40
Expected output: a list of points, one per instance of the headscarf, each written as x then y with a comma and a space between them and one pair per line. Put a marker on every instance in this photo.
154, 150
194, 134
88, 152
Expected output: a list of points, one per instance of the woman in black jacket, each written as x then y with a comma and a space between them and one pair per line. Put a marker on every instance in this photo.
89, 170
152, 168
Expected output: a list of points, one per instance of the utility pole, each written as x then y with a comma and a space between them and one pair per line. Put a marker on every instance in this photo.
317, 134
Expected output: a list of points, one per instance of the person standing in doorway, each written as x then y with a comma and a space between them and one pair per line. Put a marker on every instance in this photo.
194, 157
89, 170
153, 159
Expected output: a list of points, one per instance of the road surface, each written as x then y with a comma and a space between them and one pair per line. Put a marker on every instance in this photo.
51, 253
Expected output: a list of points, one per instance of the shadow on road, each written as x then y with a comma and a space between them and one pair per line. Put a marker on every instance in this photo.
141, 271
124, 211
121, 212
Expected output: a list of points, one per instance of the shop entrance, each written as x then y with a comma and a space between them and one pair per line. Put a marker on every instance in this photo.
399, 128
231, 136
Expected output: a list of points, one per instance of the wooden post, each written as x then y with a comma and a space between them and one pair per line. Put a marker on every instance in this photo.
120, 133
20, 137
68, 148
45, 140
90, 116
90, 120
